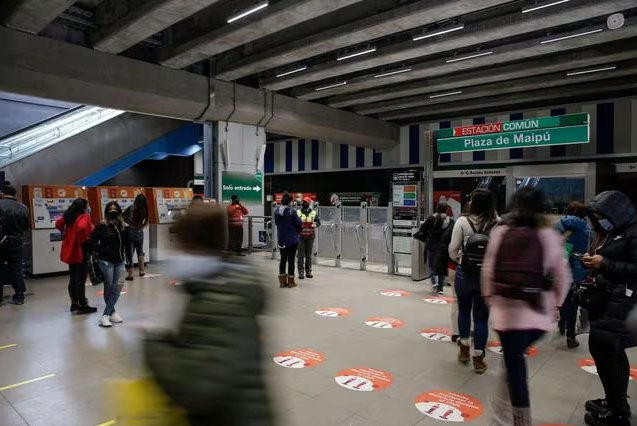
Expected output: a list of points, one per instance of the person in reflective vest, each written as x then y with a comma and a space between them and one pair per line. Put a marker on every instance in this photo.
310, 221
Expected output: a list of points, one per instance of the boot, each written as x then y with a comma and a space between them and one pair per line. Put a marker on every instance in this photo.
464, 353
129, 274
283, 281
607, 418
521, 416
479, 364
142, 265
291, 282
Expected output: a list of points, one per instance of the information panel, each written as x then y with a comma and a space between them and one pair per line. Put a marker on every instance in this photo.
48, 203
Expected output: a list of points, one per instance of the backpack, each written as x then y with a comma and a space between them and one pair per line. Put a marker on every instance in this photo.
474, 249
519, 267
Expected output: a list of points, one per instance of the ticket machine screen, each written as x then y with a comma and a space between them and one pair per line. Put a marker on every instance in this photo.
47, 211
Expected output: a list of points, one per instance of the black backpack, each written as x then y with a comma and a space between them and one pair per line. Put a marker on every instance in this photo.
474, 249
519, 267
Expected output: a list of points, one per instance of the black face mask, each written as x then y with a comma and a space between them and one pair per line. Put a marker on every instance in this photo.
306, 206
113, 215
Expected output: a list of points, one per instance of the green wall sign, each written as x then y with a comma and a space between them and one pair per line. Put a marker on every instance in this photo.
545, 131
249, 187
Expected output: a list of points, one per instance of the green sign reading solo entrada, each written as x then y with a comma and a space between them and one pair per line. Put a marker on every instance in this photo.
546, 131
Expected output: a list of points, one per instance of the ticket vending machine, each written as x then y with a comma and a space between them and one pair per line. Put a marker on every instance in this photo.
43, 242
100, 196
165, 205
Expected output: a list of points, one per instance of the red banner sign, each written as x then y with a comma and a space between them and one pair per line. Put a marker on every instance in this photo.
479, 129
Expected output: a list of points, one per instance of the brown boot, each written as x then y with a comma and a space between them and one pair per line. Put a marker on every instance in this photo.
291, 282
464, 354
479, 364
142, 265
283, 281
129, 274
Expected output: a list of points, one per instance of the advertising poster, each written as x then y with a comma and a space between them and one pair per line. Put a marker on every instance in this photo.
453, 200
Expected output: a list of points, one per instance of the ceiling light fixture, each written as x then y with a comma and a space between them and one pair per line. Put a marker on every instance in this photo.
362, 52
570, 74
441, 32
303, 68
440, 95
545, 5
464, 58
331, 86
553, 40
248, 12
386, 74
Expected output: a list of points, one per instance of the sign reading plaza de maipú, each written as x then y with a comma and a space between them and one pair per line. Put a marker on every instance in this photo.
533, 132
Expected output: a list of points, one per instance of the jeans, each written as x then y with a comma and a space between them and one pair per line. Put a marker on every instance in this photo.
305, 256
568, 316
613, 368
112, 288
77, 283
514, 346
235, 238
287, 258
135, 245
11, 252
470, 302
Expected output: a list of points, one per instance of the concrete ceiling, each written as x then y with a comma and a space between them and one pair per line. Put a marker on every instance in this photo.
293, 47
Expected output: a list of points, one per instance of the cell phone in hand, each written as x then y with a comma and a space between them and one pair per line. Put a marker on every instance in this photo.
578, 255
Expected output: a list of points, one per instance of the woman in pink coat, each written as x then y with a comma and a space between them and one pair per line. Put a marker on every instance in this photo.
525, 279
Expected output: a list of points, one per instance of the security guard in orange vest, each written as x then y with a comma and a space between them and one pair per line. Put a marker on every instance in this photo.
310, 221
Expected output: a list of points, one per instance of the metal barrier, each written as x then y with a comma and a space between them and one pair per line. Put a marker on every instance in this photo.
262, 227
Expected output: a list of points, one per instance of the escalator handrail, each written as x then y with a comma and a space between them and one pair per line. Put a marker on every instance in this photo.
41, 122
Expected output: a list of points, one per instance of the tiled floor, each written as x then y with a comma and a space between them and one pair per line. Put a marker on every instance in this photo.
73, 358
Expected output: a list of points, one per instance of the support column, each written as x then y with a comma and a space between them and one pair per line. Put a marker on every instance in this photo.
209, 160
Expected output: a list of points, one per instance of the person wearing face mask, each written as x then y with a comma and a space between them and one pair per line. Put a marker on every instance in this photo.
289, 226
310, 222
109, 240
612, 265
76, 226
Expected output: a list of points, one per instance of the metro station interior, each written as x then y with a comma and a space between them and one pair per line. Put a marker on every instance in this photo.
373, 113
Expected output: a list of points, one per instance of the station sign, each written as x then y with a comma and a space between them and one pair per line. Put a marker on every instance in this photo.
248, 187
544, 131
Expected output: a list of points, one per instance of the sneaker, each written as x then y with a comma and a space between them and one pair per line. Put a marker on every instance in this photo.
116, 318
464, 354
572, 343
596, 405
105, 321
607, 418
441, 293
479, 364
18, 300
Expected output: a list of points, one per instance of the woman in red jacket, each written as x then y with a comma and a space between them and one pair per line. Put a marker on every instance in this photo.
76, 226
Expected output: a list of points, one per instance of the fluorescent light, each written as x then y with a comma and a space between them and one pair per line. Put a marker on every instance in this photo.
441, 32
542, 6
464, 58
393, 73
553, 40
570, 74
440, 95
303, 68
363, 52
248, 12
331, 86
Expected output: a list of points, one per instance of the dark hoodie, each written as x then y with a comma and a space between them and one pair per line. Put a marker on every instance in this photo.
618, 272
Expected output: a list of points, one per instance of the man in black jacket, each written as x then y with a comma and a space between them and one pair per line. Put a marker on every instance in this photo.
612, 262
14, 221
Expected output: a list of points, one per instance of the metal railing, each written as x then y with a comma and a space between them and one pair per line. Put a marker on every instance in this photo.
22, 144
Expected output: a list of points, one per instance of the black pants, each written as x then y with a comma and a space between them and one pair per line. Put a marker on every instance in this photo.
306, 245
77, 283
235, 238
288, 254
613, 368
11, 253
568, 315
135, 245
514, 346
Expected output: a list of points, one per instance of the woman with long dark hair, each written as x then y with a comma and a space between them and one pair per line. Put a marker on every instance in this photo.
76, 227
481, 219
289, 226
136, 217
109, 240
434, 228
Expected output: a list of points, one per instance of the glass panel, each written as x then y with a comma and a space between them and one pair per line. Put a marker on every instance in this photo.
351, 214
558, 191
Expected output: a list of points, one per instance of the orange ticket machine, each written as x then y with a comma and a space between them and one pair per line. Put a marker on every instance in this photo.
100, 196
43, 242
165, 207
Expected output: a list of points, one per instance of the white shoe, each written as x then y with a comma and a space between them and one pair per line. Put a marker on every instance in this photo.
116, 319
105, 321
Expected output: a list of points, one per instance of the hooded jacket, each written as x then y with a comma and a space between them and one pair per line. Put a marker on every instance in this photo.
288, 225
212, 365
617, 274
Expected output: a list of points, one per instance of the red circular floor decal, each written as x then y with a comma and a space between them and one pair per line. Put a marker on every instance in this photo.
333, 312
101, 292
449, 406
440, 300
395, 293
364, 379
437, 334
589, 366
299, 358
496, 347
384, 323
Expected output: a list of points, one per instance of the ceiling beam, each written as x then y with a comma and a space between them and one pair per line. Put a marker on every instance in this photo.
414, 15
32, 16
146, 20
274, 18
477, 34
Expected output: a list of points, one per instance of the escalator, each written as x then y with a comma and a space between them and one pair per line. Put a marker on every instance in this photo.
17, 112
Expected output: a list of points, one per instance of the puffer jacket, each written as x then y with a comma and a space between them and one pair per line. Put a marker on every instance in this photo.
580, 234
212, 365
618, 272
288, 225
